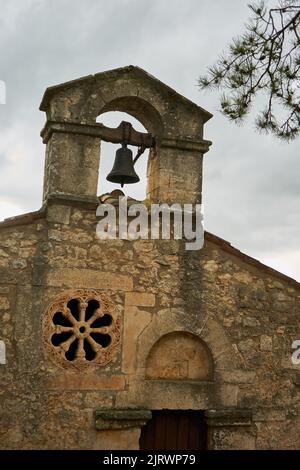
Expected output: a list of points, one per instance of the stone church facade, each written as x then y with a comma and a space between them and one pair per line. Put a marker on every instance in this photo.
104, 336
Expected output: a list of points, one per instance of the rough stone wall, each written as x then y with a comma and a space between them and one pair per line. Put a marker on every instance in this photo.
246, 316
21, 246
236, 316
258, 313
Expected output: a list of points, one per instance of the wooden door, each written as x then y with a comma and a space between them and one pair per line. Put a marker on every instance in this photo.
174, 430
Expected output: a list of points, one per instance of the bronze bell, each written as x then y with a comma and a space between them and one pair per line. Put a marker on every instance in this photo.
123, 170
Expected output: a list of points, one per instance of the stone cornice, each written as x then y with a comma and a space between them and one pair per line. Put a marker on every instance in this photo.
121, 418
229, 417
201, 146
89, 202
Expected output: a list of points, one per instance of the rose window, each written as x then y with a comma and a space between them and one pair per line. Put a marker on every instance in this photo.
82, 328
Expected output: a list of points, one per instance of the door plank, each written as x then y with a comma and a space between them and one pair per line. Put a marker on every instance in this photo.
174, 430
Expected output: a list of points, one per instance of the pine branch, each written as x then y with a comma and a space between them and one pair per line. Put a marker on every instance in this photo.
266, 58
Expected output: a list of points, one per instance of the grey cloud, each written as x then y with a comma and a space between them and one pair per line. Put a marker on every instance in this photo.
251, 181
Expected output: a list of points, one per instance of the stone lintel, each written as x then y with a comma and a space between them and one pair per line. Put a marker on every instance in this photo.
98, 130
229, 417
115, 135
121, 418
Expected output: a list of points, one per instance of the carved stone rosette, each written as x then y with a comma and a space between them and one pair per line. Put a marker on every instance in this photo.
81, 329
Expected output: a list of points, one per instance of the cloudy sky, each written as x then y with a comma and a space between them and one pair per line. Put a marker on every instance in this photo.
251, 181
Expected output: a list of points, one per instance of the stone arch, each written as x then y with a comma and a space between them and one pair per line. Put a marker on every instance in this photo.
111, 116
179, 355
175, 164
140, 109
84, 99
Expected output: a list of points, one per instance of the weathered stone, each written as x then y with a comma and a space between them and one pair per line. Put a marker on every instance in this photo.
247, 345
135, 322
85, 382
4, 290
89, 278
211, 266
95, 400
270, 415
238, 376
179, 356
250, 321
4, 263
59, 214
229, 395
121, 419
162, 261
58, 235
140, 299
19, 264
4, 303
208, 330
266, 343
3, 254
118, 439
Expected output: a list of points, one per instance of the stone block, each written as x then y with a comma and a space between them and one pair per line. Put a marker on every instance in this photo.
237, 376
266, 343
98, 400
58, 214
88, 278
81, 381
229, 395
140, 299
19, 264
269, 415
135, 321
117, 439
